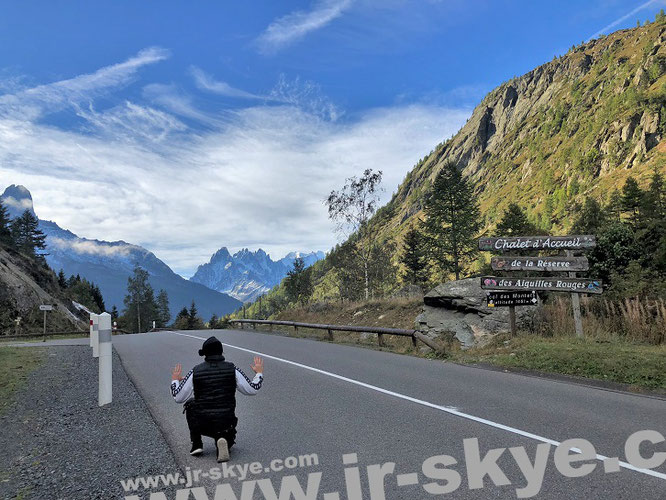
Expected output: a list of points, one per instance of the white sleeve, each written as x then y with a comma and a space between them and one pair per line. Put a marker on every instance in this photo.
184, 390
246, 386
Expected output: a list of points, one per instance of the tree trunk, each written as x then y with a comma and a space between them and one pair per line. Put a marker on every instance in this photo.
138, 317
367, 281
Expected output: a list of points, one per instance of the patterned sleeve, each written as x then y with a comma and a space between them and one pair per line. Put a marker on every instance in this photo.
246, 386
184, 390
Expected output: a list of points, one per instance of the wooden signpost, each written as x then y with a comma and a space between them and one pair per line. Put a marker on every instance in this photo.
568, 264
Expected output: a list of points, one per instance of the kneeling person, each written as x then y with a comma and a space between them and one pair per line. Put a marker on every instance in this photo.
209, 394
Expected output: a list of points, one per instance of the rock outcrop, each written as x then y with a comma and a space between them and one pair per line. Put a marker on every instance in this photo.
457, 309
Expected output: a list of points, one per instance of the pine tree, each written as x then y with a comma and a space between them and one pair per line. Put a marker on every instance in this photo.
413, 259
452, 221
298, 283
590, 219
26, 234
62, 281
213, 323
514, 222
632, 200
5, 221
114, 313
163, 313
97, 297
140, 307
193, 319
654, 203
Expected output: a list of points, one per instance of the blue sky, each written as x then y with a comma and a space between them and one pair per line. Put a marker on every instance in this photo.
186, 126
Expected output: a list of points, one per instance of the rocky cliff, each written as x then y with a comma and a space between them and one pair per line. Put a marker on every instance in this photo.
576, 126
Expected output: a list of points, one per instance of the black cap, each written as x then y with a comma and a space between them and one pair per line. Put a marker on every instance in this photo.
211, 347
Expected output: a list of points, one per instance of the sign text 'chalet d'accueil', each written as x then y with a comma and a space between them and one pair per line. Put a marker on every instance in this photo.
538, 243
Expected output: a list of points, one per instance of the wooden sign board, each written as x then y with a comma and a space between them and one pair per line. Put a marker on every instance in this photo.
511, 299
538, 243
539, 263
572, 285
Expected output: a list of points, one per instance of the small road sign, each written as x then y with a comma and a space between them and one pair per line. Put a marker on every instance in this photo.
511, 299
538, 243
539, 264
46, 307
573, 285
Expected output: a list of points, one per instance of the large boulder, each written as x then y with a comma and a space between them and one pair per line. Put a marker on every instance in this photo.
458, 309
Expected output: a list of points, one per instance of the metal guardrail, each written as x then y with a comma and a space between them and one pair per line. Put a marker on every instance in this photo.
380, 331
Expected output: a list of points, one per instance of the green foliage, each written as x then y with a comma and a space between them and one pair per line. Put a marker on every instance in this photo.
514, 222
632, 200
163, 313
590, 219
140, 306
83, 291
26, 235
62, 280
298, 283
452, 221
413, 259
5, 232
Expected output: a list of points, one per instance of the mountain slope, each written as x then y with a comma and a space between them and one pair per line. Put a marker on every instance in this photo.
25, 284
246, 275
576, 126
109, 264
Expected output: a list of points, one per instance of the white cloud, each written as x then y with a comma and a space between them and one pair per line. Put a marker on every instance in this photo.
24, 204
252, 177
621, 19
205, 82
91, 247
32, 102
296, 25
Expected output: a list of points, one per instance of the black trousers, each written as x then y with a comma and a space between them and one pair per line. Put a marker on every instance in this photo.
201, 425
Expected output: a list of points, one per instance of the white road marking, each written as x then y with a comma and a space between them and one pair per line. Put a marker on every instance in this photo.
446, 409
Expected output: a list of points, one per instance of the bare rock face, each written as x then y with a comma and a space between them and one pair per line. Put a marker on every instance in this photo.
458, 309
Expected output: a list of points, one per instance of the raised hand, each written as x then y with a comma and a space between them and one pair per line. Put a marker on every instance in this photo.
177, 373
258, 365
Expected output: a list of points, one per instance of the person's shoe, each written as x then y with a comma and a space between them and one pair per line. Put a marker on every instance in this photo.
197, 449
222, 450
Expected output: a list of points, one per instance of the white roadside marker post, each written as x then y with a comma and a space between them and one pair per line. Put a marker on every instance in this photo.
94, 334
105, 360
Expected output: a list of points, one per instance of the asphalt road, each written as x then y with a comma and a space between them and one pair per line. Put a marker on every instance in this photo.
334, 400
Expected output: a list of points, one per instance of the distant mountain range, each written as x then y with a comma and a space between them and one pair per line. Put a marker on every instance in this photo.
109, 264
246, 275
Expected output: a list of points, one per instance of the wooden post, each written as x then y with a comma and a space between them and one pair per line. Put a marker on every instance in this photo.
295, 330
254, 326
45, 325
380, 339
575, 302
330, 334
512, 320
413, 340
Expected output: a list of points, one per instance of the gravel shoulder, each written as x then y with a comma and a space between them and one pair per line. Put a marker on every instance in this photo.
58, 444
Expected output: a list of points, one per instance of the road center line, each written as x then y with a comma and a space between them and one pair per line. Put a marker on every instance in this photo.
446, 409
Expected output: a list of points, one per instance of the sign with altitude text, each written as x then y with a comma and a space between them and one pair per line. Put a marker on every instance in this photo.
511, 299
46, 307
572, 285
539, 263
538, 243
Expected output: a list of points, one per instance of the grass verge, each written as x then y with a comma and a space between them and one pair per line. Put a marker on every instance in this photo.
640, 366
16, 363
